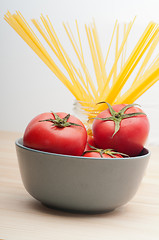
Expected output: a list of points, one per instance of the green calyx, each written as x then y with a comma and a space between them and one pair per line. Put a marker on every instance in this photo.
117, 117
60, 122
112, 153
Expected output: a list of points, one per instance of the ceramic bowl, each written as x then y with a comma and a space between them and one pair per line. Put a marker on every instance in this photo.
80, 184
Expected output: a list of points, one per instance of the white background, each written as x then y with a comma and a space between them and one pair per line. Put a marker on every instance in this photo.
28, 87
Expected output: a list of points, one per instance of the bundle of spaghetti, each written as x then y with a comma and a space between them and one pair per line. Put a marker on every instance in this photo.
79, 80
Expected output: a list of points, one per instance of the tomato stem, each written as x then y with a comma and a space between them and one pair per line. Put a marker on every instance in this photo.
109, 152
60, 122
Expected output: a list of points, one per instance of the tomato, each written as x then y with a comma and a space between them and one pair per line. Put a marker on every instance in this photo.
122, 127
102, 153
56, 133
97, 155
90, 141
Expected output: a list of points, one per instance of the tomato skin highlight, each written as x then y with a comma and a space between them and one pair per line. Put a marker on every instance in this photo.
130, 138
44, 136
97, 155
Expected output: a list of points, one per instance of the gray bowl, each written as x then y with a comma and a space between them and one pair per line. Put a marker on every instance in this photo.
80, 184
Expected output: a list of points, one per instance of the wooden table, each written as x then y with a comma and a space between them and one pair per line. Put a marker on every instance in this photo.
24, 218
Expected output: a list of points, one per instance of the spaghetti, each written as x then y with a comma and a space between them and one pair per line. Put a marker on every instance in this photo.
79, 81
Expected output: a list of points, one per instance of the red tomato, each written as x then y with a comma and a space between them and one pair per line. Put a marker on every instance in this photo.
42, 134
97, 155
131, 135
90, 141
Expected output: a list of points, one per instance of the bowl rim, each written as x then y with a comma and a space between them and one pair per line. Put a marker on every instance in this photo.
20, 145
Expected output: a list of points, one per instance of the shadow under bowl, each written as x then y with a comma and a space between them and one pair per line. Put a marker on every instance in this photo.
80, 184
